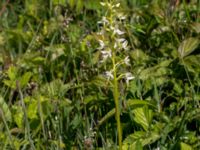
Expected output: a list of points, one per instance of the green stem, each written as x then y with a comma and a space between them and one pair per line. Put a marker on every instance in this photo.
117, 104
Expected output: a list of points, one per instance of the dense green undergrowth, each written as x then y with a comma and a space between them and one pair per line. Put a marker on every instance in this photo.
91, 74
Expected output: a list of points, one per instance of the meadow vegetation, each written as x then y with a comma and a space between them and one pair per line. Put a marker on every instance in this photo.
100, 74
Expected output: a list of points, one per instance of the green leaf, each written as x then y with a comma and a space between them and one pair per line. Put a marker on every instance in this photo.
133, 103
72, 3
79, 6
4, 109
138, 145
59, 2
133, 146
94, 4
106, 117
188, 46
18, 116
76, 121
196, 27
99, 81
9, 83
143, 116
143, 137
185, 146
32, 109
12, 73
25, 79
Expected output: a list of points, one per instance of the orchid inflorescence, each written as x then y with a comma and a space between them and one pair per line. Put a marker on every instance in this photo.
112, 39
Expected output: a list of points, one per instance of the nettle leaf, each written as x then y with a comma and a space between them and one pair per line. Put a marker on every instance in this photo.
134, 145
134, 103
143, 116
139, 56
188, 46
138, 137
156, 71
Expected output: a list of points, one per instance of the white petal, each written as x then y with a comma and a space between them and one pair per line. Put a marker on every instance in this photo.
129, 77
117, 5
109, 75
102, 44
102, 3
119, 32
127, 61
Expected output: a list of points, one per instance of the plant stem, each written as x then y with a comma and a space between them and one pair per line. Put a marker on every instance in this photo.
117, 104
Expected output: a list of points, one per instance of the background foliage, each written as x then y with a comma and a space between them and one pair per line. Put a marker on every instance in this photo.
53, 91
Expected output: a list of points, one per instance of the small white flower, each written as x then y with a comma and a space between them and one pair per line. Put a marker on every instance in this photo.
103, 21
121, 43
128, 77
121, 16
109, 75
115, 45
121, 40
117, 5
127, 61
102, 3
102, 45
125, 45
106, 54
112, 28
119, 32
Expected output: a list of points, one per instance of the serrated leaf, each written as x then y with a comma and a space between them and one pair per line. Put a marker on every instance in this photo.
99, 81
5, 111
133, 103
133, 146
143, 116
25, 79
12, 73
188, 46
19, 117
143, 137
9, 83
32, 109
